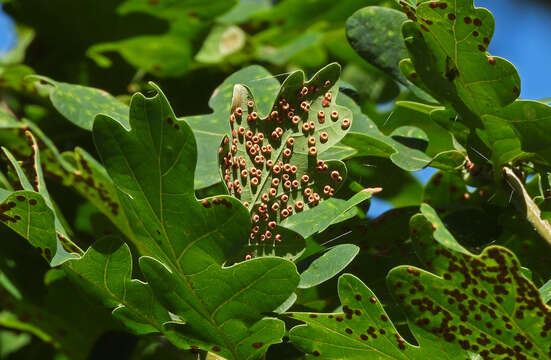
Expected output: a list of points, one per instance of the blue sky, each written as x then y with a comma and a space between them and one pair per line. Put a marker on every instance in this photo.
7, 32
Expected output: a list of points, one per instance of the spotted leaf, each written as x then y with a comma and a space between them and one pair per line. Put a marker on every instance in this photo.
30, 212
271, 163
480, 305
76, 169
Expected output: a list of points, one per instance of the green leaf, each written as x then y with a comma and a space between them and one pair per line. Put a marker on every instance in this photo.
518, 130
545, 292
170, 53
374, 32
222, 307
324, 267
280, 173
152, 166
210, 129
105, 270
186, 241
80, 104
329, 212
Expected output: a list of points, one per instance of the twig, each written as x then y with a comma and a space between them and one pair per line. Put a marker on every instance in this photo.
527, 205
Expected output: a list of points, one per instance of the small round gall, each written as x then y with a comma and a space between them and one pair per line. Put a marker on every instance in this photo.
278, 238
250, 103
287, 153
299, 205
234, 134
305, 127
256, 218
236, 183
241, 130
312, 125
287, 184
290, 142
226, 141
313, 151
275, 136
249, 135
285, 106
275, 182
238, 111
251, 236
284, 198
335, 174
268, 234
307, 192
311, 141
260, 136
327, 83
304, 91
249, 257
294, 169
276, 169
316, 197
272, 192
305, 178
269, 163
287, 167
321, 116
264, 197
279, 131
327, 189
324, 137
232, 118
290, 209
294, 183
327, 96
334, 115
254, 181
275, 206
285, 177
262, 237
272, 224
254, 116
295, 120
284, 213
345, 124
246, 203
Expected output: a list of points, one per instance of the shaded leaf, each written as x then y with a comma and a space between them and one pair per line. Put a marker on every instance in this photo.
105, 270
185, 241
374, 32
222, 308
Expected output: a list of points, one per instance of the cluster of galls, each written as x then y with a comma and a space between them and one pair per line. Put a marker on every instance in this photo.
278, 188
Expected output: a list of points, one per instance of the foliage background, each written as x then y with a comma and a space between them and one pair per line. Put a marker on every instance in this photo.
60, 49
